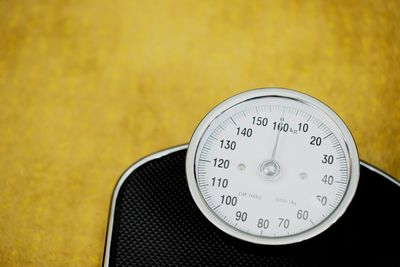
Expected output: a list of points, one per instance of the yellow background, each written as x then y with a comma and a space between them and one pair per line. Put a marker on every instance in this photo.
87, 87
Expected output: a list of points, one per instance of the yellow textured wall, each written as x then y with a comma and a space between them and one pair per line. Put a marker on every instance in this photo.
88, 87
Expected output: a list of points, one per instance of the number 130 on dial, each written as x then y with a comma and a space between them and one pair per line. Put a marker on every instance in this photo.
272, 166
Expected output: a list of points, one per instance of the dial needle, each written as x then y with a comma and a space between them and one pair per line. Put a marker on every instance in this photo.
275, 145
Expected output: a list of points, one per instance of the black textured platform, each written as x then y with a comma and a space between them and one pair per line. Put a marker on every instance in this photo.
157, 223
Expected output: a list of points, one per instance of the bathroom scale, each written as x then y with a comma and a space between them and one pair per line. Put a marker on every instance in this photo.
270, 177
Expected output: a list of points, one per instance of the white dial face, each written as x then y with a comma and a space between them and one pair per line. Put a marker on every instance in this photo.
272, 168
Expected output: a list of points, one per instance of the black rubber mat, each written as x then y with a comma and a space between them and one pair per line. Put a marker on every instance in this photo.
155, 222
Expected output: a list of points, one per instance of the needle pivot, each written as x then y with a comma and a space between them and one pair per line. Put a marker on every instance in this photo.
270, 169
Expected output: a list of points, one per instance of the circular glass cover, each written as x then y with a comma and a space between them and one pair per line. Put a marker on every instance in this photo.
272, 166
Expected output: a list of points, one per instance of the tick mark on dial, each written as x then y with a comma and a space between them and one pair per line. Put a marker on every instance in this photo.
213, 137
328, 135
216, 207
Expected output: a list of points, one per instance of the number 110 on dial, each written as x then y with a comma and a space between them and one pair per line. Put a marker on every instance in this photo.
272, 166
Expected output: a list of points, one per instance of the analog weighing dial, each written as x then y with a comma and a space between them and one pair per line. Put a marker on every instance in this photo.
272, 166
